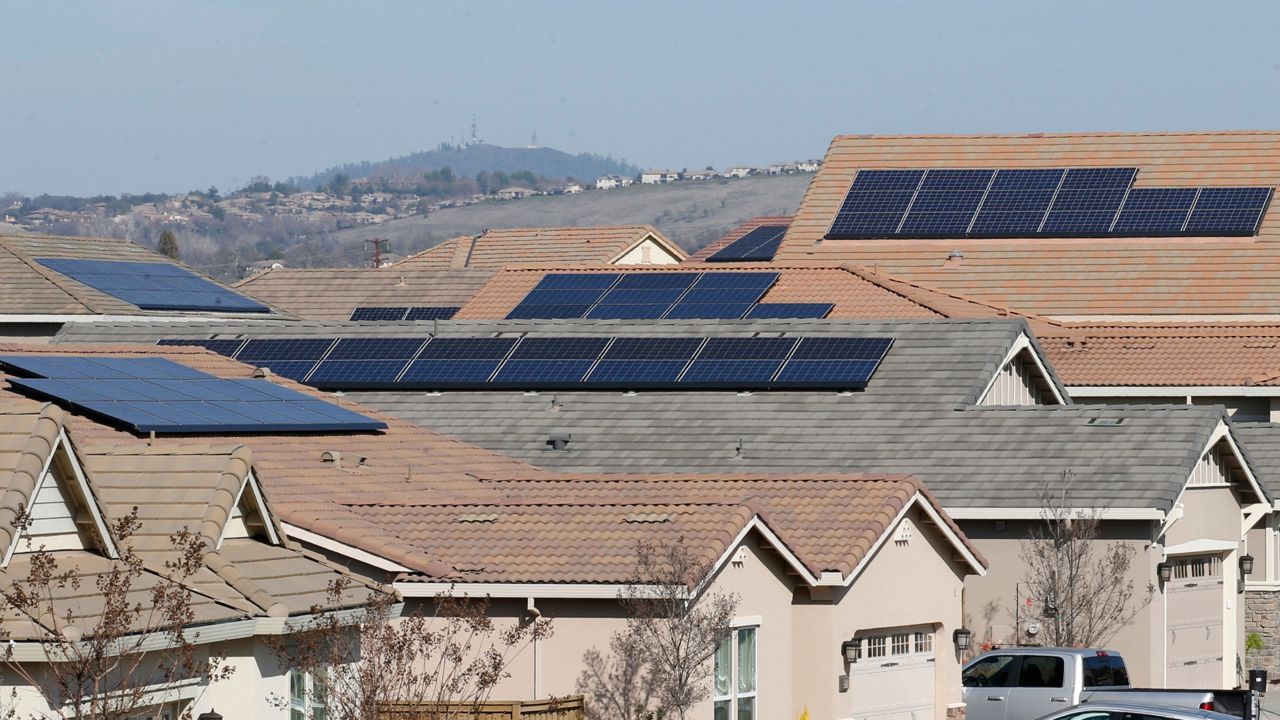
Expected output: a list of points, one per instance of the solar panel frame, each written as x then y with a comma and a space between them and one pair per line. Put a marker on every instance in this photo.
627, 312
153, 285
578, 281
790, 310
379, 314
486, 348
432, 312
761, 243
707, 311
259, 350
547, 312
548, 374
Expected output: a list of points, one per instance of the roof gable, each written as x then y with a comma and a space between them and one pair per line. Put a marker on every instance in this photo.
493, 249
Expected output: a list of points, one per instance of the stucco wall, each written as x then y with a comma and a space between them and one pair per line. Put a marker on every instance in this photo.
647, 252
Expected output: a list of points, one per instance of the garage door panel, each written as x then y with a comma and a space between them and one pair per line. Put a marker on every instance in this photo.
893, 680
1194, 621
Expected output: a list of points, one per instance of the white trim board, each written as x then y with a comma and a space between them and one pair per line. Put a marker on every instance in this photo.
1035, 513
1087, 391
1021, 344
355, 553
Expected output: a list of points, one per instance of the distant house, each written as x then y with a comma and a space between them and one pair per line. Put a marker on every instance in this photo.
582, 246
808, 165
700, 174
567, 189
514, 193
609, 182
737, 172
658, 177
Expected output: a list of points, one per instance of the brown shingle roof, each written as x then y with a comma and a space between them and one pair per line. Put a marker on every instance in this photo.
1168, 356
736, 234
29, 288
331, 294
519, 246
1066, 277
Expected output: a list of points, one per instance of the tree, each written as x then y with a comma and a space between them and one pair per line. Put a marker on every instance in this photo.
212, 192
105, 664
1082, 584
168, 245
446, 663
339, 184
662, 655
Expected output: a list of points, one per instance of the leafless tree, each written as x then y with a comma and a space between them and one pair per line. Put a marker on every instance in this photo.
441, 666
111, 661
673, 629
1082, 583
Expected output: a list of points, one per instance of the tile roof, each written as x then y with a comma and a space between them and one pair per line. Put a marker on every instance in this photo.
305, 488
855, 293
560, 246
1262, 446
1165, 356
29, 288
734, 235
1066, 277
830, 522
401, 494
331, 294
176, 487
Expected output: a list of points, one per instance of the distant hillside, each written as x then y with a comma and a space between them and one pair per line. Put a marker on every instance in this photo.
690, 213
468, 161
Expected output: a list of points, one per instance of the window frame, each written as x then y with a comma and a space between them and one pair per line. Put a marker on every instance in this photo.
733, 640
311, 704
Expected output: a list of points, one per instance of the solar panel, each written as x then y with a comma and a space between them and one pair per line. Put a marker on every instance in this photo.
761, 244
378, 314
158, 395
707, 311
790, 310
152, 285
653, 348
1228, 211
559, 348
1155, 211
293, 369
550, 361
701, 294
567, 296
467, 348
762, 280
356, 362
642, 296
376, 348
752, 348
627, 312
643, 280
826, 362
876, 202
737, 362
457, 362
873, 180
262, 350
222, 347
547, 312
432, 313
642, 362
577, 281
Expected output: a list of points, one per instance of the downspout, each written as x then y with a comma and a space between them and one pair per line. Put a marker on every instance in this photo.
532, 608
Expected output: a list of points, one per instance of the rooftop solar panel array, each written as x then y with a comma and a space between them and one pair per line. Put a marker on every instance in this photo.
158, 395
153, 285
645, 295
588, 363
759, 245
1049, 202
395, 314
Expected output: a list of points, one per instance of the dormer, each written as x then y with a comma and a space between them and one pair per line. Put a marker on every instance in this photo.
63, 513
250, 517
1021, 380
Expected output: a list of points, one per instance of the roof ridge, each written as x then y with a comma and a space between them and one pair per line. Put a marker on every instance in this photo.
58, 280
1106, 133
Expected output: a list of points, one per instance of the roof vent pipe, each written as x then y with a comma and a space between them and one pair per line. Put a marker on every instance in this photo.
331, 456
559, 441
954, 258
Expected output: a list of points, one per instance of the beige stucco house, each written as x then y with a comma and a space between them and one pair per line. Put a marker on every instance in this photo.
585, 246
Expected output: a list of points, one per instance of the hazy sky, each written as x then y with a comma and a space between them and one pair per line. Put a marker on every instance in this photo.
129, 96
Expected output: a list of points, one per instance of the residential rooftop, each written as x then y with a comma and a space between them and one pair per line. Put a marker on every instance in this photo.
493, 249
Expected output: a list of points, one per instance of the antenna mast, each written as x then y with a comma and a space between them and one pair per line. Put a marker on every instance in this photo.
377, 249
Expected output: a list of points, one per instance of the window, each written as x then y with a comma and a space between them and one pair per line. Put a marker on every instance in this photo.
306, 697
991, 671
901, 643
1104, 671
875, 646
735, 676
1041, 671
924, 642
1197, 567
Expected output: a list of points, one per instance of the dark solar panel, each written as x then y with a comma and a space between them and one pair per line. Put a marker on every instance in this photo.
730, 279
1027, 180
292, 369
758, 245
1154, 211
568, 296
956, 180
841, 348
872, 180
544, 373
650, 348
826, 362
642, 296
153, 286
222, 347
444, 374
376, 348
635, 373
355, 373
577, 281
1006, 224
378, 314
790, 310
1064, 224
627, 312
432, 313
643, 280
559, 348
262, 350
525, 311
467, 348
1099, 178
1228, 211
753, 348
157, 395
730, 373
707, 311
722, 295
943, 224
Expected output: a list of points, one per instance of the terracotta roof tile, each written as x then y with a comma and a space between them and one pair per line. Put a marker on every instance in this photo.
332, 294
558, 246
1066, 277
736, 234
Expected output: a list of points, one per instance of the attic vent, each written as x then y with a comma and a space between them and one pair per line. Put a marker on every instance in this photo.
1139, 346
1106, 422
559, 441
653, 518
477, 518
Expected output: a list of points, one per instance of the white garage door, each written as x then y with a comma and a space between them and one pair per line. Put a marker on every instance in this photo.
1195, 608
894, 675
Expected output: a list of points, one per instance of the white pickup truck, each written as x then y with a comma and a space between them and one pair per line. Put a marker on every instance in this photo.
1027, 682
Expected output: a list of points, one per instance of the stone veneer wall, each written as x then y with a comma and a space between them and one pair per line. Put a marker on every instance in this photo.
1262, 615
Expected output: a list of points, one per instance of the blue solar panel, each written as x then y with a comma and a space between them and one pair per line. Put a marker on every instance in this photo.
443, 374
952, 180
762, 280
355, 373
432, 313
707, 311
730, 373
643, 280
642, 296
559, 348
701, 294
376, 349
1228, 211
262, 350
1006, 224
158, 395
1160, 199
568, 296
1027, 180
378, 314
545, 373
467, 348
1078, 223
577, 281
826, 361
222, 347
635, 373
649, 348
842, 348
790, 310
292, 369
627, 312
947, 201
547, 312
153, 286
1154, 211
945, 224
758, 245
752, 348
877, 202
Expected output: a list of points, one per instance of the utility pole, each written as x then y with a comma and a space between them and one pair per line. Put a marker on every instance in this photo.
377, 249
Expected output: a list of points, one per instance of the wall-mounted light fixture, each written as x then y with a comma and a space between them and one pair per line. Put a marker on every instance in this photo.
1246, 564
1165, 571
963, 637
849, 649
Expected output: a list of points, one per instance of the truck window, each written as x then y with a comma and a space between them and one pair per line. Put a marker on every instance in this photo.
1041, 671
991, 671
1105, 671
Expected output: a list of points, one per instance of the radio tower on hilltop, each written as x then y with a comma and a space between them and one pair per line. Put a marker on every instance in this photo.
475, 136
